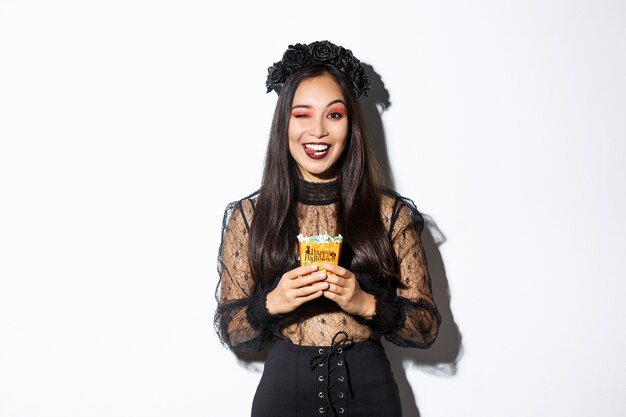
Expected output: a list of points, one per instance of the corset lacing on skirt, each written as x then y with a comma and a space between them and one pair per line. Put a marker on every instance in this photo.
344, 379
332, 376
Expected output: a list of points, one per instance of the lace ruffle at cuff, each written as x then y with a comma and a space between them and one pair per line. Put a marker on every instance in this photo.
388, 315
389, 312
257, 314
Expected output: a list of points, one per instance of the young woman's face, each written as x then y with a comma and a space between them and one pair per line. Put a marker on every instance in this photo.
318, 127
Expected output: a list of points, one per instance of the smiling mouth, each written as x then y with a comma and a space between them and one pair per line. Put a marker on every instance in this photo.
316, 150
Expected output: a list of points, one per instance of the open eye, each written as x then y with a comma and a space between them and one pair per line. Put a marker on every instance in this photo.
335, 115
336, 112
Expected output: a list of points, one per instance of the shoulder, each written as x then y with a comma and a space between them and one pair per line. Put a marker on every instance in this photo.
242, 210
399, 211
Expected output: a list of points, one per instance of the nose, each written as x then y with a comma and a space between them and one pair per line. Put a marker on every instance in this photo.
318, 129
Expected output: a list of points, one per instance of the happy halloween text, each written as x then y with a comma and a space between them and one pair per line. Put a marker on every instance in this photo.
314, 255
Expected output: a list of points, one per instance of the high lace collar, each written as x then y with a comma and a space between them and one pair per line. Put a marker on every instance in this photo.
317, 193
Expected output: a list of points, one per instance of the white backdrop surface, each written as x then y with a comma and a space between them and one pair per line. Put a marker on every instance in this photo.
127, 126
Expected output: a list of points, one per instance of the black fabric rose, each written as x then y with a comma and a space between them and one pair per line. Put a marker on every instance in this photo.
324, 51
321, 52
344, 61
360, 80
276, 75
297, 56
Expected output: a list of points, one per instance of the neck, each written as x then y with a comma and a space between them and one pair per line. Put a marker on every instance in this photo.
318, 192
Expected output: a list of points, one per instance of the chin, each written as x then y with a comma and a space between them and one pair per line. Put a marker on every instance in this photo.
322, 175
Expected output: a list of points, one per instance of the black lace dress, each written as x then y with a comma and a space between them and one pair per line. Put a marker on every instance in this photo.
309, 343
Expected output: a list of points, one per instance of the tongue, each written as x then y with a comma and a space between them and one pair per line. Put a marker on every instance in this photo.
310, 151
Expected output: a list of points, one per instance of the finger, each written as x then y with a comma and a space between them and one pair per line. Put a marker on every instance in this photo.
305, 281
310, 279
331, 295
335, 279
310, 297
335, 289
311, 289
299, 271
335, 269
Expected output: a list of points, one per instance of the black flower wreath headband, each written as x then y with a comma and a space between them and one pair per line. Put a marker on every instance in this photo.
317, 53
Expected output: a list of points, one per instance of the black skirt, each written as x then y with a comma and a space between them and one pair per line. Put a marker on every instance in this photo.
342, 380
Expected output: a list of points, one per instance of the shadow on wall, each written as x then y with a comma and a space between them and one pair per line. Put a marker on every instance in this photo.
443, 356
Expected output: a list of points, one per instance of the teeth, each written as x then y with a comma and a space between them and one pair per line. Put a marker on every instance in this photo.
317, 147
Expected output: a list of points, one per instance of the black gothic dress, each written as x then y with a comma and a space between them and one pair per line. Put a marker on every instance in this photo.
324, 361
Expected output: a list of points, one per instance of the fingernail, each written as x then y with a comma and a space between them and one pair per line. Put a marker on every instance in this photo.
321, 275
313, 267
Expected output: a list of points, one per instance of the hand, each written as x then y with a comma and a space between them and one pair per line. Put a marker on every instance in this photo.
344, 289
295, 288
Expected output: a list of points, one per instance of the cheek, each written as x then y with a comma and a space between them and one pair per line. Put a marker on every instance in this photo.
294, 144
295, 130
341, 133
292, 134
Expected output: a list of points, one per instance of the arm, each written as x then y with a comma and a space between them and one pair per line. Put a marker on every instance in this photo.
407, 317
241, 319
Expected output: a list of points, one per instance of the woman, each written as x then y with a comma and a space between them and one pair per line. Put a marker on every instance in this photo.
325, 326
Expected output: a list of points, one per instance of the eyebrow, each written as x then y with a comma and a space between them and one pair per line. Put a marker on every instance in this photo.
307, 106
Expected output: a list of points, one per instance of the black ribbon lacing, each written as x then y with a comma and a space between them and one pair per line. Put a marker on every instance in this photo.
339, 344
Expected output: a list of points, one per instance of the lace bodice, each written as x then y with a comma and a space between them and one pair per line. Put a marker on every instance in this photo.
406, 316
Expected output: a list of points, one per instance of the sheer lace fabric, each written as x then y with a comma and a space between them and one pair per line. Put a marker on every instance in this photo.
406, 316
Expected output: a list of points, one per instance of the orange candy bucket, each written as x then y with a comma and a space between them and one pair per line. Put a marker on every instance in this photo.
319, 249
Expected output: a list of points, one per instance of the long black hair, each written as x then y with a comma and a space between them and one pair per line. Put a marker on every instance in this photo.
274, 226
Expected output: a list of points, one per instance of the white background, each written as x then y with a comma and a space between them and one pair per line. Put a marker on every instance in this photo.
127, 126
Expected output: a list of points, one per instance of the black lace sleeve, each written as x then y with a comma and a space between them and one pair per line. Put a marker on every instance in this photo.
241, 319
408, 316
